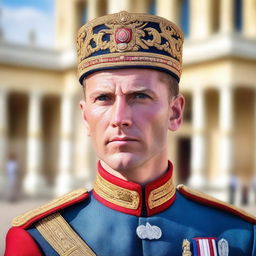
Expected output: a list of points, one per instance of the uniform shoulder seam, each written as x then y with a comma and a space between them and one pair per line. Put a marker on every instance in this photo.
214, 202
30, 217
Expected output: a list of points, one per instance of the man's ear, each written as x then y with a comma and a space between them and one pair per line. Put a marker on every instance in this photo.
83, 110
176, 112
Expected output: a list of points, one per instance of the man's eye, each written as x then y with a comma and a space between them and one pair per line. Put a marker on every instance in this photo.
102, 98
141, 96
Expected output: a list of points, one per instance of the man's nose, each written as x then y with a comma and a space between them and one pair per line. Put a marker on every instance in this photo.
121, 115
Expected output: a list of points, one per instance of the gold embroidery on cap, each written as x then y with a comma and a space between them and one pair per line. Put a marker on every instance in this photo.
137, 58
119, 196
168, 39
170, 34
161, 195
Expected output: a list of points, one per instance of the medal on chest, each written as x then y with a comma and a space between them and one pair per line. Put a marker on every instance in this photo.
205, 246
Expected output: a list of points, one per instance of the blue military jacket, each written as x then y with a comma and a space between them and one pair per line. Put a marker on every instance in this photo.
122, 218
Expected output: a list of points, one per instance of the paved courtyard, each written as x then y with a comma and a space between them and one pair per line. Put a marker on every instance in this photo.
9, 210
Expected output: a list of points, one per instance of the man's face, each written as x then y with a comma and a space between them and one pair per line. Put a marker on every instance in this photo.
127, 114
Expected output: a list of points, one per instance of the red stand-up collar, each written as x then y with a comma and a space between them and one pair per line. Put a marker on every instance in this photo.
131, 198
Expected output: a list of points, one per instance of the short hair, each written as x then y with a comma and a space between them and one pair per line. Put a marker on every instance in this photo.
171, 82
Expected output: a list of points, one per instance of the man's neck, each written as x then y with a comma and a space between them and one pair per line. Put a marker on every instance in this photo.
143, 174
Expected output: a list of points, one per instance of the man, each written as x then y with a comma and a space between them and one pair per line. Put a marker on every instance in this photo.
130, 66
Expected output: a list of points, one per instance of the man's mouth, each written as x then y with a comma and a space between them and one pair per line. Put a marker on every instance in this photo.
122, 139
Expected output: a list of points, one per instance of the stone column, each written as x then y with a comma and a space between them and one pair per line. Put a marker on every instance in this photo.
84, 158
117, 6
92, 9
253, 180
66, 25
3, 136
225, 142
198, 140
200, 18
226, 16
34, 182
249, 21
255, 133
140, 6
64, 179
85, 161
168, 9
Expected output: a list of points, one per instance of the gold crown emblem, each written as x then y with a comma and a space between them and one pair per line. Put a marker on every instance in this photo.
124, 40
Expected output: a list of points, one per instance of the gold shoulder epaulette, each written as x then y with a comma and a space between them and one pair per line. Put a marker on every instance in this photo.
216, 203
30, 217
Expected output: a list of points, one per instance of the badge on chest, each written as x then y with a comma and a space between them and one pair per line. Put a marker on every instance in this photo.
205, 246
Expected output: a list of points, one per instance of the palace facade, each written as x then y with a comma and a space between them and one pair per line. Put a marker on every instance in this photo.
40, 120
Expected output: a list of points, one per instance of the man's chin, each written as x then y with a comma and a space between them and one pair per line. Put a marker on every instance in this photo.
122, 161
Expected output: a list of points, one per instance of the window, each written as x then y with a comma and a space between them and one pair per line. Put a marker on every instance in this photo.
152, 7
81, 11
187, 115
84, 15
238, 15
184, 17
215, 16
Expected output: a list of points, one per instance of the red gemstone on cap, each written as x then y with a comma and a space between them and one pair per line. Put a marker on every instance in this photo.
123, 35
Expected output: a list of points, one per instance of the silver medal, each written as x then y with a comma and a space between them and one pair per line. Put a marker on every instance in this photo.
148, 232
223, 247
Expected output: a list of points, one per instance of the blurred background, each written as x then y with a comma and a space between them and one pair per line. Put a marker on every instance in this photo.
44, 150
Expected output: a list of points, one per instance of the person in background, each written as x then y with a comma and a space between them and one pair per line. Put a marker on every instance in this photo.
233, 187
253, 185
12, 178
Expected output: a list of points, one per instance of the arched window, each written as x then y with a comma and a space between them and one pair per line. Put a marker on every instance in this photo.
238, 15
185, 16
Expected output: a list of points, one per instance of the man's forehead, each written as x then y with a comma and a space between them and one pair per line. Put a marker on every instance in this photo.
136, 77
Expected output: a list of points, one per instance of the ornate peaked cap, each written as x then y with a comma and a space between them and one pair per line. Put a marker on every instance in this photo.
129, 40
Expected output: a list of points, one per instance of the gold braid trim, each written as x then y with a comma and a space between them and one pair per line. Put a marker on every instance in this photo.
62, 237
119, 196
162, 194
127, 59
235, 210
22, 219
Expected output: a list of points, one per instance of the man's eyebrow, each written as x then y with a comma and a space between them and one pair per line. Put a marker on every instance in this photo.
106, 90
140, 90
99, 92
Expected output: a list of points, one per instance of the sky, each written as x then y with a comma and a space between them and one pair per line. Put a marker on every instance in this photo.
18, 18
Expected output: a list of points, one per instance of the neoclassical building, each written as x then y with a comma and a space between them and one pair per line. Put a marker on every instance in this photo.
40, 120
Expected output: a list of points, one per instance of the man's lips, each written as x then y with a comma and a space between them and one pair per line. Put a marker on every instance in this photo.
123, 139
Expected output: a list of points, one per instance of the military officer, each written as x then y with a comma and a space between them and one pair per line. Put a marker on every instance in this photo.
130, 66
